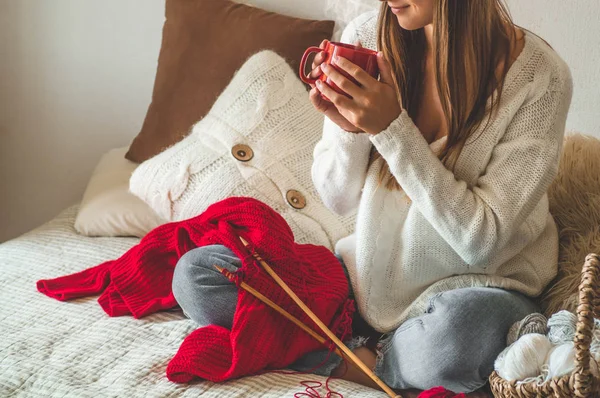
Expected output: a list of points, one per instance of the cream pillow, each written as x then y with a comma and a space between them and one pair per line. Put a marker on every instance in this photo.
108, 208
256, 141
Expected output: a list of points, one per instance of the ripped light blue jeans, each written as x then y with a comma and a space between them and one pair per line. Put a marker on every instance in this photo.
453, 344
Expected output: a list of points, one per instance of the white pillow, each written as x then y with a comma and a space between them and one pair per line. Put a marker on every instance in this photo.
108, 208
256, 141
340, 11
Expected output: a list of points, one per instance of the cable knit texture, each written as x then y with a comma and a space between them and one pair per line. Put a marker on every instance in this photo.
266, 108
139, 283
486, 224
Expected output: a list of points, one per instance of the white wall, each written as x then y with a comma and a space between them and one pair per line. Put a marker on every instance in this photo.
572, 27
76, 78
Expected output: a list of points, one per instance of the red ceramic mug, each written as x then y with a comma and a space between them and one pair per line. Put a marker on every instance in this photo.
362, 57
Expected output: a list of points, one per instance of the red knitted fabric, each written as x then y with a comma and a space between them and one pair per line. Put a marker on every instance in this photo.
139, 283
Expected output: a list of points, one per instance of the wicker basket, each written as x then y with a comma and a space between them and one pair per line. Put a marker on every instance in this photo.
581, 383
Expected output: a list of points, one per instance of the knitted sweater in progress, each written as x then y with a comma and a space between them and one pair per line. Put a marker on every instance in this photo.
485, 224
139, 283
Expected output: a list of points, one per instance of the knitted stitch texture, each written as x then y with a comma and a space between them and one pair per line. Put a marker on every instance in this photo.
485, 224
266, 108
139, 283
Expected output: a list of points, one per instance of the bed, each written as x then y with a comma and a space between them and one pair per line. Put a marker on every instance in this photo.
73, 349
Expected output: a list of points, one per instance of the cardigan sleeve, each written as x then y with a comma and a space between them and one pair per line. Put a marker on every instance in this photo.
339, 167
478, 221
340, 159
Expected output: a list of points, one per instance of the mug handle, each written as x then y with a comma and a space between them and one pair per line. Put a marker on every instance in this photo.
308, 51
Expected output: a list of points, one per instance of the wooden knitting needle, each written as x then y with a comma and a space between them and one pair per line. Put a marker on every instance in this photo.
360, 364
277, 308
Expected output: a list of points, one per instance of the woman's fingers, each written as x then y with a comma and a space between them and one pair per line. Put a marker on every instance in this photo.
319, 59
316, 70
315, 73
355, 71
318, 102
340, 101
341, 81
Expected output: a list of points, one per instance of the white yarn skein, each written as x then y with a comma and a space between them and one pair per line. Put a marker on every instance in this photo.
561, 360
524, 358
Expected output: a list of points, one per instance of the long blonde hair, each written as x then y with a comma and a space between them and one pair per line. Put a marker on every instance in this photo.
470, 41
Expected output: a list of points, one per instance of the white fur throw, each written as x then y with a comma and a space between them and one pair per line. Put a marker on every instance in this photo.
265, 108
574, 198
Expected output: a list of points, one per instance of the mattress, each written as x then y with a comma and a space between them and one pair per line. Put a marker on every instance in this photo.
73, 349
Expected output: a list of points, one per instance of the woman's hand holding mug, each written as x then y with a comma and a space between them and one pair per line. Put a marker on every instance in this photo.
347, 92
321, 104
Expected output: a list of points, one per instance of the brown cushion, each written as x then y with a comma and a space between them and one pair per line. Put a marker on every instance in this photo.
204, 43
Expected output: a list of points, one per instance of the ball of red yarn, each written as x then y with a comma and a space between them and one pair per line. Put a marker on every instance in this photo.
440, 392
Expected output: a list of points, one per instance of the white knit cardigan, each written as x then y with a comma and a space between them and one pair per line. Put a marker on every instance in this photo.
486, 224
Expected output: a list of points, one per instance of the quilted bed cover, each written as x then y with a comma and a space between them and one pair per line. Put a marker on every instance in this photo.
73, 349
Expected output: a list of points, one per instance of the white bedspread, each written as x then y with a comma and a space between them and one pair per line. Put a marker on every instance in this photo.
73, 349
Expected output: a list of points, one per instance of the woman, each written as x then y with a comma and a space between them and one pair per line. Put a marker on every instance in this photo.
446, 158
